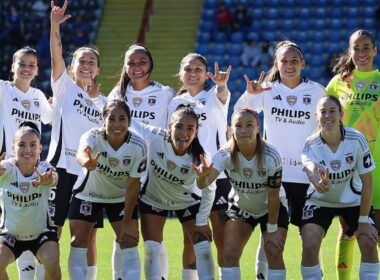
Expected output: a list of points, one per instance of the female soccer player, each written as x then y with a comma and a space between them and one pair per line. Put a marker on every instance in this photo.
77, 107
288, 102
255, 169
25, 184
356, 84
211, 105
149, 102
20, 102
113, 160
170, 185
338, 163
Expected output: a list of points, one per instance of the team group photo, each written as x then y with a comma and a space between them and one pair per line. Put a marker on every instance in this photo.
202, 139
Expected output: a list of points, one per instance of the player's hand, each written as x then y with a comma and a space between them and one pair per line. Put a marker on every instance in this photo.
129, 233
90, 163
366, 230
57, 14
203, 170
44, 179
256, 87
93, 89
323, 185
220, 78
276, 240
204, 231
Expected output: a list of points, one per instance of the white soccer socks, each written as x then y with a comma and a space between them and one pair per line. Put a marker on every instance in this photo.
131, 264
26, 265
311, 272
77, 263
261, 261
369, 271
152, 262
205, 262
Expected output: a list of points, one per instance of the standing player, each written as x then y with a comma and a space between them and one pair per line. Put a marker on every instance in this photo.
338, 163
210, 103
113, 160
254, 168
25, 184
149, 102
357, 85
20, 102
288, 103
170, 186
77, 107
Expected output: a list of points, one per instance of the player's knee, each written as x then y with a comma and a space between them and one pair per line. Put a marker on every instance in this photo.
199, 237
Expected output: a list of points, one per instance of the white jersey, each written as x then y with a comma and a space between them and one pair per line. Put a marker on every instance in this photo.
74, 113
171, 181
107, 183
212, 113
149, 105
18, 107
24, 208
249, 183
289, 118
352, 159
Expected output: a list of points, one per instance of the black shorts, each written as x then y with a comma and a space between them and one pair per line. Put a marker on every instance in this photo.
223, 188
323, 216
19, 246
236, 213
90, 211
183, 215
60, 198
296, 195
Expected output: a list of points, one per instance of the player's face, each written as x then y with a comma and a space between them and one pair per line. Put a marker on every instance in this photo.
25, 68
85, 67
362, 52
182, 131
137, 66
328, 114
116, 124
27, 148
245, 128
193, 73
289, 63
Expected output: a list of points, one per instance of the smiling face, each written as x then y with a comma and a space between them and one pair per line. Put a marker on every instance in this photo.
24, 68
182, 129
85, 67
362, 52
137, 65
289, 63
27, 148
193, 73
245, 128
329, 114
116, 123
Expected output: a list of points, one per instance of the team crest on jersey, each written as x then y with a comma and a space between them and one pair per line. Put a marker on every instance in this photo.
25, 104
291, 100
10, 240
126, 161
152, 100
306, 99
24, 186
261, 173
171, 165
137, 101
360, 85
85, 208
373, 86
113, 162
88, 102
184, 170
36, 103
335, 165
247, 172
349, 158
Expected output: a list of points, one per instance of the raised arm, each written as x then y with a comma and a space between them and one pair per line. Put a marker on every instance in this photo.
220, 79
85, 158
57, 16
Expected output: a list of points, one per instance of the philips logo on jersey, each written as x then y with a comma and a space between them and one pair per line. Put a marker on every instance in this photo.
247, 187
18, 198
106, 170
362, 96
343, 175
143, 115
290, 116
165, 175
86, 110
23, 115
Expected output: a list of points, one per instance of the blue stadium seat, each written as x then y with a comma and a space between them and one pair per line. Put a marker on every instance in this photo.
320, 12
369, 23
203, 49
256, 13
203, 37
334, 46
304, 13
316, 73
234, 75
352, 23
289, 4
288, 13
335, 24
352, 12
302, 36
270, 25
287, 25
234, 61
235, 49
206, 25
250, 72
270, 36
208, 14
368, 12
221, 38
336, 13
211, 4
304, 23
256, 25
318, 36
314, 61
317, 48
272, 13
319, 24
237, 38
335, 35
253, 36
219, 49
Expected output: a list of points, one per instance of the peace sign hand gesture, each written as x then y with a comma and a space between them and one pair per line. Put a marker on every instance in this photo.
44, 179
256, 87
90, 163
202, 171
57, 14
323, 185
220, 78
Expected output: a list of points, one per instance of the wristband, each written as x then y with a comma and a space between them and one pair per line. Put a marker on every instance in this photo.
271, 228
363, 219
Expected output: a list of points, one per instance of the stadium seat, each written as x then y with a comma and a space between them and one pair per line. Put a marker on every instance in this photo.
203, 49
304, 13
211, 4
206, 25
221, 38
369, 23
234, 61
317, 48
219, 49
237, 38
257, 13
208, 14
203, 37
335, 23
235, 49
318, 36
334, 35
302, 36
253, 36
288, 13
352, 12
319, 24
270, 36
272, 13
256, 25
320, 13
287, 25
270, 25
